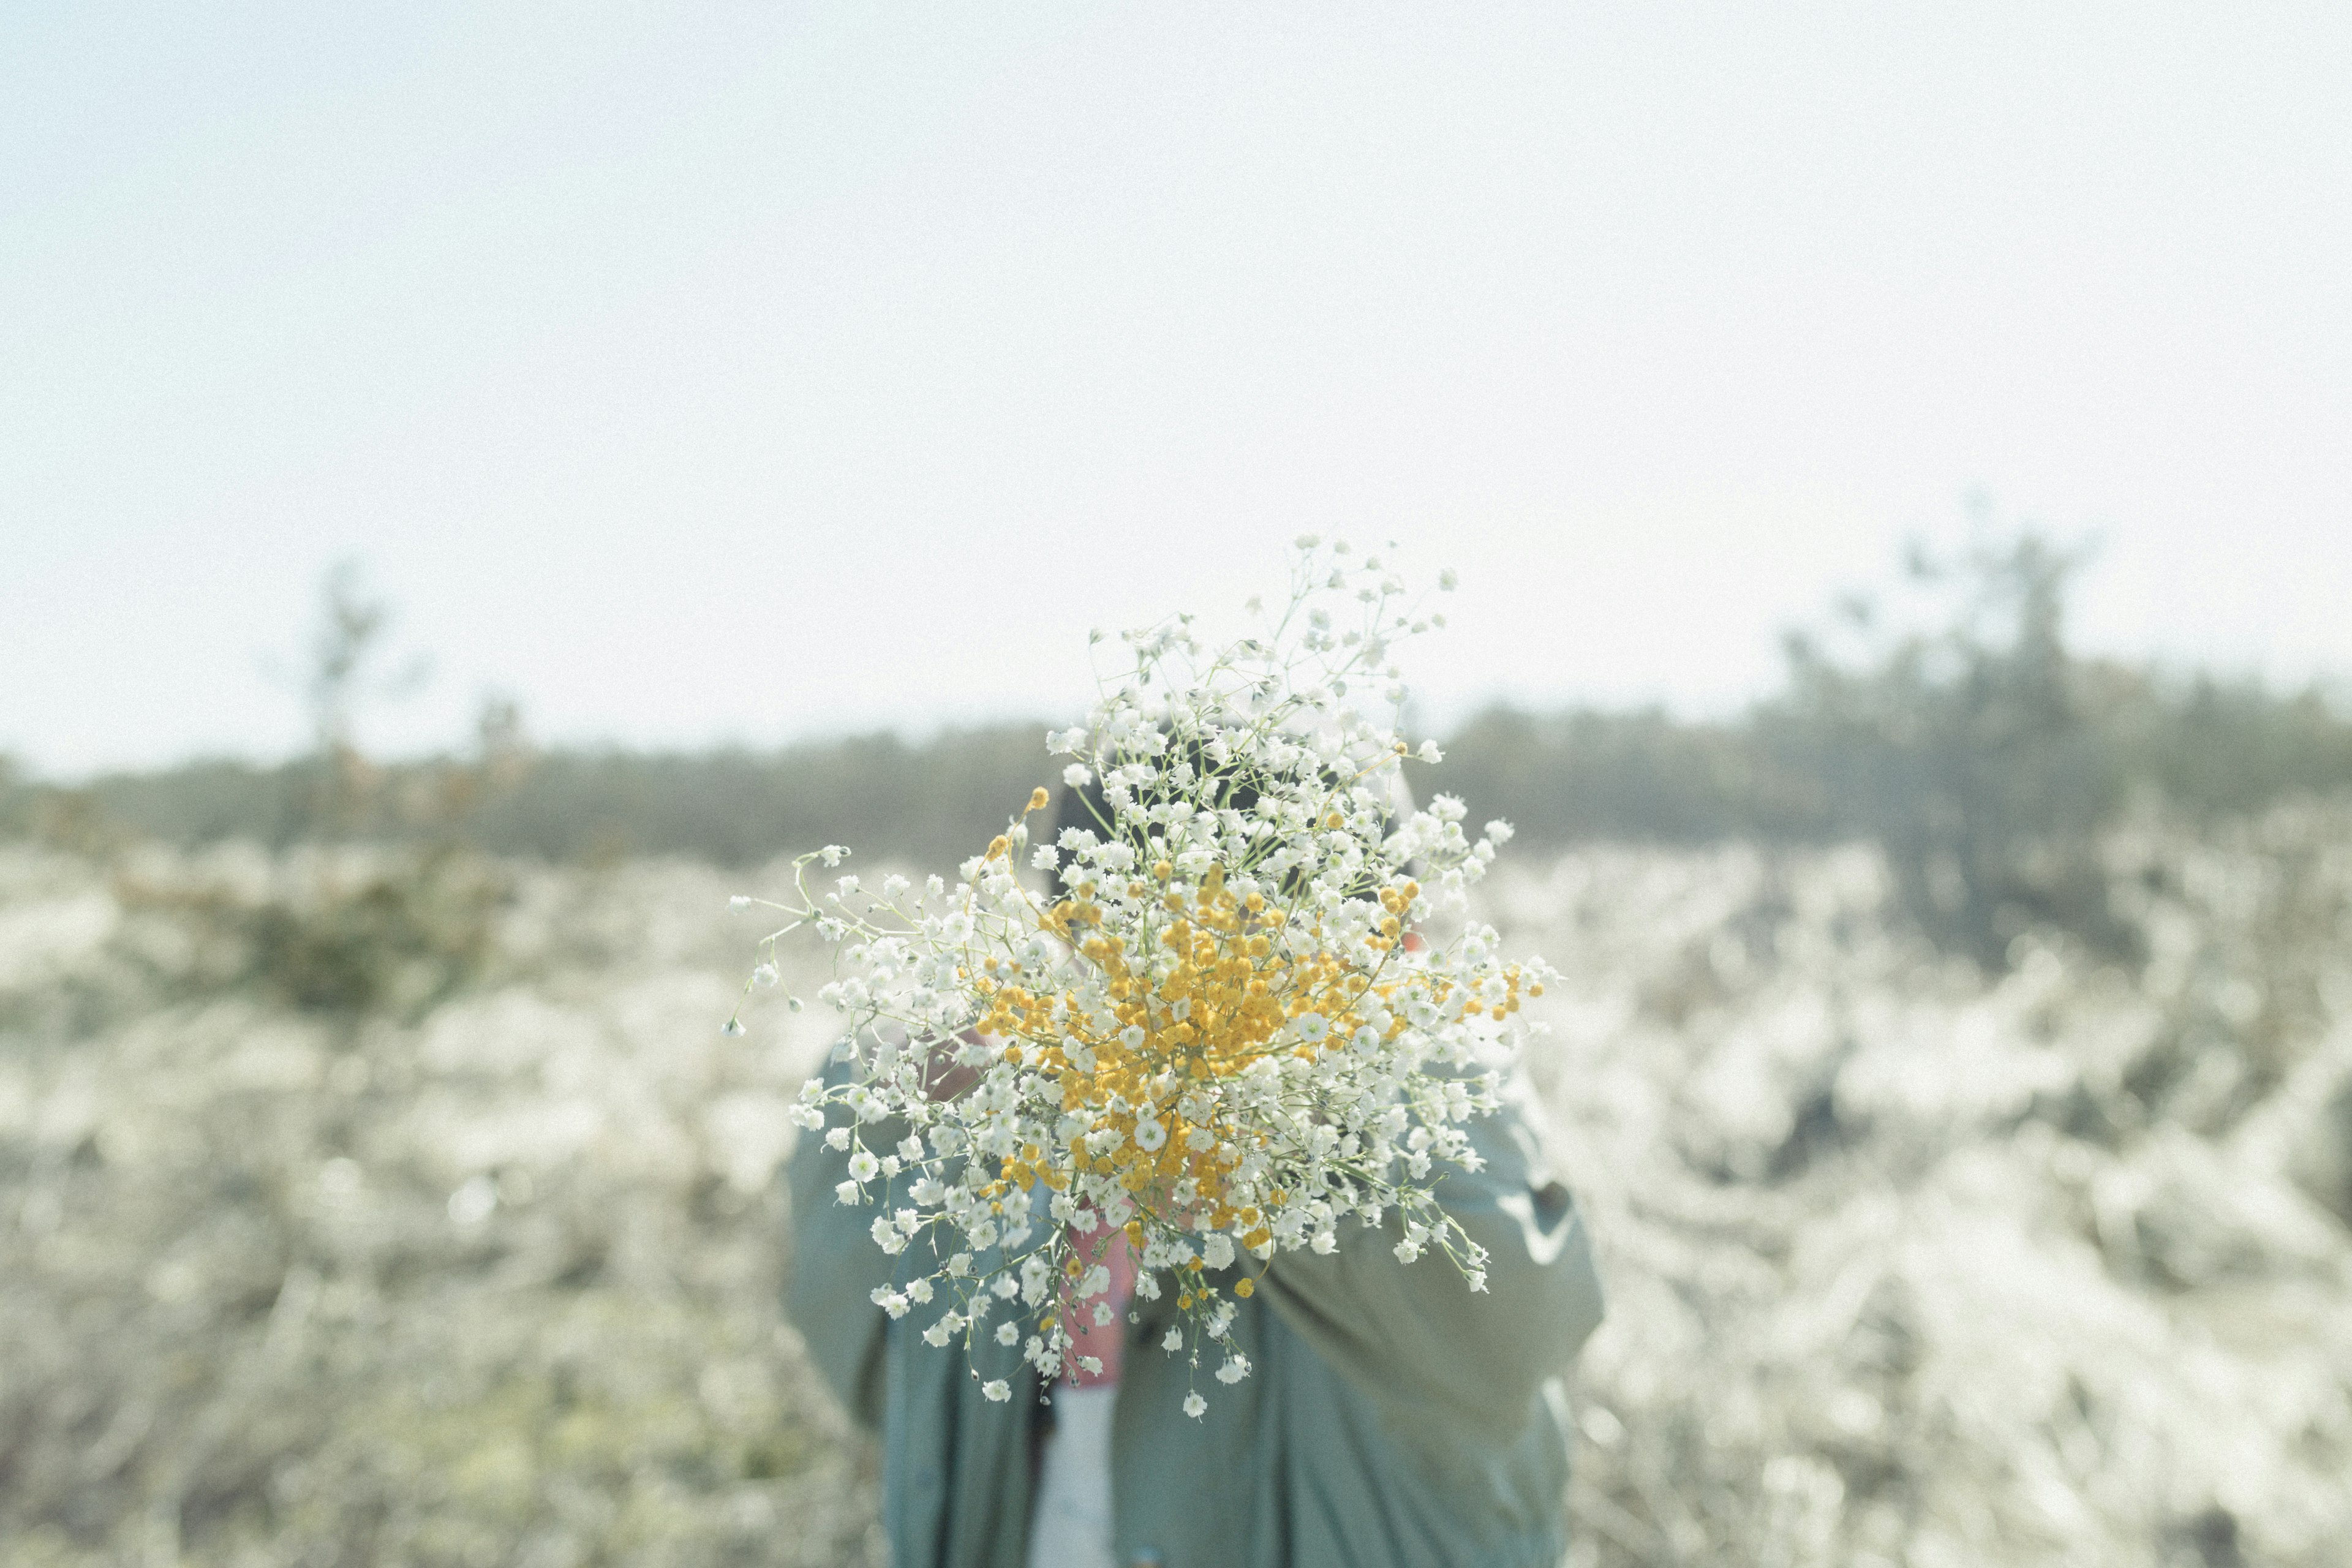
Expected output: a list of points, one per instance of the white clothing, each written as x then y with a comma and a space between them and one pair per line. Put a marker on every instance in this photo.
1069, 1524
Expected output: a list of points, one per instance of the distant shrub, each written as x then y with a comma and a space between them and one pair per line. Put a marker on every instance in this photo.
2217, 748
1640, 776
1968, 751
335, 931
932, 804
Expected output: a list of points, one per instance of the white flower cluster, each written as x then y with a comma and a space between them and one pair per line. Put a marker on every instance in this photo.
1232, 1032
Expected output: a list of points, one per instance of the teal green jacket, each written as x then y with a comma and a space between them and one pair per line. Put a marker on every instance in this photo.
1390, 1419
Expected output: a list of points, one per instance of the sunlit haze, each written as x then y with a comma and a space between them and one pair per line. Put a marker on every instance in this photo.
751, 372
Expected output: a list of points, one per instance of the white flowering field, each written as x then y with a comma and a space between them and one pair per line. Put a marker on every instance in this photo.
360, 1210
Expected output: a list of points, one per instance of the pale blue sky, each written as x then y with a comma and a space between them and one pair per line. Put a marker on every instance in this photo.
751, 372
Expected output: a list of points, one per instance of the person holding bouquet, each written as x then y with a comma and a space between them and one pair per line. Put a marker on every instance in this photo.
1113, 1213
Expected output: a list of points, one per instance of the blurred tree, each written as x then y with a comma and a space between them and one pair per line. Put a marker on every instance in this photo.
346, 671
1964, 746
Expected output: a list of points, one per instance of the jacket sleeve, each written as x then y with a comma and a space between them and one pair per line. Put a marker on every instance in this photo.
835, 1268
1414, 1334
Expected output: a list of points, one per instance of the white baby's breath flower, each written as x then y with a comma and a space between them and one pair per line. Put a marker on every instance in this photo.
1043, 1049
997, 1390
1194, 1405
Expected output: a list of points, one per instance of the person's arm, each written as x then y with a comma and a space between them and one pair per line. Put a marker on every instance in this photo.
835, 1266
1415, 1332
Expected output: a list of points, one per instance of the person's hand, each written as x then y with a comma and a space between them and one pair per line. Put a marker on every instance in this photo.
944, 1077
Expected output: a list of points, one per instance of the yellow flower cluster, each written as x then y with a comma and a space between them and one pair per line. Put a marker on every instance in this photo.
1233, 985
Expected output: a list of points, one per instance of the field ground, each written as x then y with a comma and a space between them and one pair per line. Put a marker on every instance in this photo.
377, 1208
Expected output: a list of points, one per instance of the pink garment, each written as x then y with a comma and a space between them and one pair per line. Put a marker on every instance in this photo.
1105, 1245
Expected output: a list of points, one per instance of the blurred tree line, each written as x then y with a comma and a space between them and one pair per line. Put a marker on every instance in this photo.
1954, 729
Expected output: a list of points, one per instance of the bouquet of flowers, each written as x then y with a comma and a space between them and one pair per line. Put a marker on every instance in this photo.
1204, 1018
